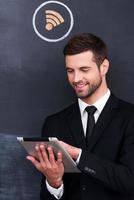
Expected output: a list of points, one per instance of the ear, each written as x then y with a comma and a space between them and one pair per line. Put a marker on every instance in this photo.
104, 67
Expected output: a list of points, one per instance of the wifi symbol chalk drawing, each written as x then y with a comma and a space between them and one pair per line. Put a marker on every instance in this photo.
53, 19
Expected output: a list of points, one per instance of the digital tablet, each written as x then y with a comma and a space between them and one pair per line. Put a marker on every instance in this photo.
30, 143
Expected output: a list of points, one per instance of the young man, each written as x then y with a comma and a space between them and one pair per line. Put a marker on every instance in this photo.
105, 157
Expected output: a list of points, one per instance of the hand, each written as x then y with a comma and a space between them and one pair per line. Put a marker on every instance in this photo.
50, 167
73, 151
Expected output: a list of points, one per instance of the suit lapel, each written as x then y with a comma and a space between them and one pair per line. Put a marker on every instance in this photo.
104, 119
75, 125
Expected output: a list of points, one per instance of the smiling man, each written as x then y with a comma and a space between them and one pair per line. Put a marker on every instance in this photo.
85, 76
97, 131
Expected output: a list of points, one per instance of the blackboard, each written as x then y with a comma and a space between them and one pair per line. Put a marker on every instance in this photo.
33, 80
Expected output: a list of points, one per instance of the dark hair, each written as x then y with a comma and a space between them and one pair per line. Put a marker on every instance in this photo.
87, 42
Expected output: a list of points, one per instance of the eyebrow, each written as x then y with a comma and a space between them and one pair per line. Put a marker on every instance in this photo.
79, 67
85, 67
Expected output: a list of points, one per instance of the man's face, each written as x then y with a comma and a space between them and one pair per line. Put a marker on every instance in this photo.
83, 74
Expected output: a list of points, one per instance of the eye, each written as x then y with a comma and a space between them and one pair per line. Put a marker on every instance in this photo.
85, 69
69, 70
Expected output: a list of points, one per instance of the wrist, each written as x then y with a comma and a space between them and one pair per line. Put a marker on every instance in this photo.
55, 183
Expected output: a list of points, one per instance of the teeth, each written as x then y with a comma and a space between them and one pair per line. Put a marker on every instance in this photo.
80, 86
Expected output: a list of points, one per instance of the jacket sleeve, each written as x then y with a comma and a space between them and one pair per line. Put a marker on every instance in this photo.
118, 175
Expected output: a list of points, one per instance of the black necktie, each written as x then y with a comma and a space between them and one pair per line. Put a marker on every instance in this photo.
90, 122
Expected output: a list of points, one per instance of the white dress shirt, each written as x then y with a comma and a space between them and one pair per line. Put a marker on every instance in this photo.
99, 104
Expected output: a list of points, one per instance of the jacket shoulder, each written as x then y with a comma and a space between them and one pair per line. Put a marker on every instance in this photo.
126, 105
64, 112
57, 120
120, 102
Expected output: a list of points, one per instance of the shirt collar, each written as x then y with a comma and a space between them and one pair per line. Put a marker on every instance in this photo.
99, 104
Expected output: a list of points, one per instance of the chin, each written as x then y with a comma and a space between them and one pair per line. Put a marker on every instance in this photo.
83, 96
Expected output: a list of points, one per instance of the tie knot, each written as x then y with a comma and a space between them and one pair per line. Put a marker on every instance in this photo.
91, 109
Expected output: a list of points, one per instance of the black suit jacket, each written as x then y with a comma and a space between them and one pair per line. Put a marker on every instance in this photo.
107, 165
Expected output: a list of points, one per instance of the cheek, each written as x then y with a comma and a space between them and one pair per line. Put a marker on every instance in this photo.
93, 77
70, 78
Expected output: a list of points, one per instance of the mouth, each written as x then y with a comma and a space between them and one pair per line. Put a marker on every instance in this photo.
79, 87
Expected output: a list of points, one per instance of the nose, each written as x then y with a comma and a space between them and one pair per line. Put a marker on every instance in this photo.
77, 77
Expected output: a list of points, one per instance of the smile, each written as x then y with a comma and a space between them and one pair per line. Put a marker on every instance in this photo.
79, 86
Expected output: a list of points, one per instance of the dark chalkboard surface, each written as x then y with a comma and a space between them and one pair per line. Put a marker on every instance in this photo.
33, 80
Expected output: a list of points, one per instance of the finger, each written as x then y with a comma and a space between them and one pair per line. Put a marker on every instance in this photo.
44, 154
51, 155
34, 161
39, 153
59, 157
